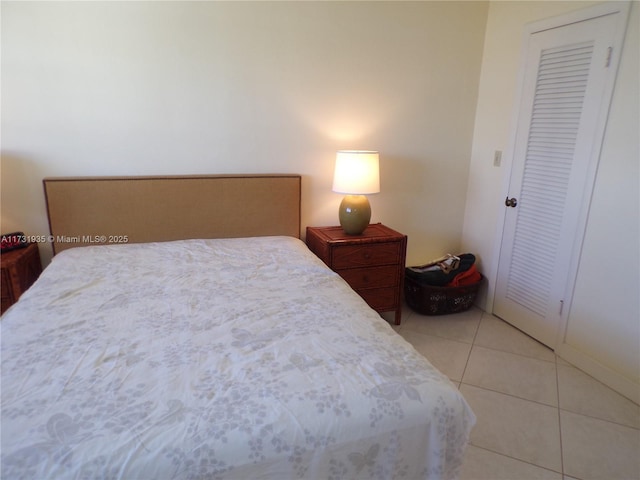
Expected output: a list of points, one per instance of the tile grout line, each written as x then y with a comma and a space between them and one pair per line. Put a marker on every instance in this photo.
515, 353
611, 422
439, 337
537, 402
518, 459
473, 341
559, 417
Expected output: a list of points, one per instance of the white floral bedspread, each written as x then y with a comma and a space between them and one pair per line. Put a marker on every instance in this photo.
241, 359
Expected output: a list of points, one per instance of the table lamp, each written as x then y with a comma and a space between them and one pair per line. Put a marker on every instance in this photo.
357, 174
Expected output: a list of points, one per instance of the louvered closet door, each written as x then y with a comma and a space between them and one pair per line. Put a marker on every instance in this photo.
562, 101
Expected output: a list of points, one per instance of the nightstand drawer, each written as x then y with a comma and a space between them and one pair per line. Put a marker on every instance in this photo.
380, 299
350, 256
371, 277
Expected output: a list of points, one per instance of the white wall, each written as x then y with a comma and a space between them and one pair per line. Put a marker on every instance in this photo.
603, 334
129, 88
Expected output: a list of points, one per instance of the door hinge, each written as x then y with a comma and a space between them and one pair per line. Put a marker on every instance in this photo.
561, 307
608, 62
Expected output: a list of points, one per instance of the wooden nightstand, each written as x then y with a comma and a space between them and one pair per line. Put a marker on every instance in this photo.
372, 263
20, 268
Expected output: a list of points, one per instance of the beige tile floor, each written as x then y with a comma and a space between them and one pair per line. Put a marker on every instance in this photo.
538, 417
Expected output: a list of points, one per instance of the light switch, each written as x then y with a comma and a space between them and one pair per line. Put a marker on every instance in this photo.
497, 158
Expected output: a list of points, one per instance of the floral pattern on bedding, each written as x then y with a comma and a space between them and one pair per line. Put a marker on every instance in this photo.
234, 358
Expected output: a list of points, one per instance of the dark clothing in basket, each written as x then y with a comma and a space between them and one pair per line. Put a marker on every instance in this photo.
447, 285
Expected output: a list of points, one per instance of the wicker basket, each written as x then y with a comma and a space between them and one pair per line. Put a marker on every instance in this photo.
432, 300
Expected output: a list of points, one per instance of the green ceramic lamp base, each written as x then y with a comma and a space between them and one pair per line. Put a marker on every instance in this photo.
354, 214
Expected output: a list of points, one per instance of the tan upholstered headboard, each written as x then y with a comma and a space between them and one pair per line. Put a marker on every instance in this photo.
104, 210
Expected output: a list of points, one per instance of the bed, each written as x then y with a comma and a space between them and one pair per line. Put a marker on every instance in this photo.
214, 355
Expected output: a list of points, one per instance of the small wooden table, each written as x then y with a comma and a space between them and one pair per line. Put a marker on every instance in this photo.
20, 268
372, 263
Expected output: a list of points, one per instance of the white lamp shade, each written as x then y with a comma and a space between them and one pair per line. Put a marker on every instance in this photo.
357, 172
